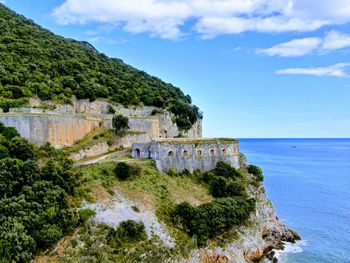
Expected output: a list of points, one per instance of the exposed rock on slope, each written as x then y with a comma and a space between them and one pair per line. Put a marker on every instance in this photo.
263, 233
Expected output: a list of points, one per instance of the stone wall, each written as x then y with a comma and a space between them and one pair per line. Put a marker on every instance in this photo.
184, 154
65, 124
148, 125
60, 131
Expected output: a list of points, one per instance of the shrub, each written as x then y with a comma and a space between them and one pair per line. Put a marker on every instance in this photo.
8, 132
86, 214
225, 170
120, 124
221, 187
257, 172
218, 187
131, 231
21, 149
235, 188
124, 171
172, 171
212, 219
110, 110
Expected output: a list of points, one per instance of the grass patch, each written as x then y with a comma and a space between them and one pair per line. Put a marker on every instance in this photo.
96, 136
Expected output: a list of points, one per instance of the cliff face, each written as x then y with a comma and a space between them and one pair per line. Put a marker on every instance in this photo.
263, 233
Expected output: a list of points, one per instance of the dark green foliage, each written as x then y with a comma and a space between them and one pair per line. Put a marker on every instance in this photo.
34, 208
257, 172
224, 181
86, 214
21, 149
225, 170
6, 104
124, 171
16, 245
128, 231
8, 132
34, 61
212, 219
120, 124
221, 187
218, 187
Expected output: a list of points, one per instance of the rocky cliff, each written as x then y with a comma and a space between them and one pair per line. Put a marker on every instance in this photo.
257, 240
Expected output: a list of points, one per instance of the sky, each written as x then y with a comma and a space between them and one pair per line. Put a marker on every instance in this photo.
256, 68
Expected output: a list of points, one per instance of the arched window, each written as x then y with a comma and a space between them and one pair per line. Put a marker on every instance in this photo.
212, 152
199, 152
224, 151
170, 154
185, 153
137, 153
235, 150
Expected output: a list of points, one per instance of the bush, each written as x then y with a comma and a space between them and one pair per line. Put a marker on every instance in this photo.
34, 208
21, 149
124, 171
257, 172
225, 170
218, 187
212, 219
131, 231
86, 214
120, 124
235, 188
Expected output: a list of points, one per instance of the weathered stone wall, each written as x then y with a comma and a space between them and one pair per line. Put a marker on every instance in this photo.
60, 131
66, 123
188, 155
100, 108
168, 129
148, 125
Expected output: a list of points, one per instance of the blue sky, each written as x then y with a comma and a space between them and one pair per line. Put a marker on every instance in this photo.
257, 68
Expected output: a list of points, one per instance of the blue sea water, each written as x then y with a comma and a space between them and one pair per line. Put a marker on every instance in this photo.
308, 181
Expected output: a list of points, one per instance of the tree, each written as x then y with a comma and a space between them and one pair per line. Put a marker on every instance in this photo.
124, 171
120, 124
257, 172
225, 170
21, 149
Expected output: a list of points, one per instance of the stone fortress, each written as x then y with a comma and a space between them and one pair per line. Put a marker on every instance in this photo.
153, 134
67, 124
188, 154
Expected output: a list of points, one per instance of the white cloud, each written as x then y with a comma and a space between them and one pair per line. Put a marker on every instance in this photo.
337, 70
165, 18
299, 47
294, 48
336, 40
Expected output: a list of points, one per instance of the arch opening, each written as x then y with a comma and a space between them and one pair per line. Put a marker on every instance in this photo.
137, 153
185, 153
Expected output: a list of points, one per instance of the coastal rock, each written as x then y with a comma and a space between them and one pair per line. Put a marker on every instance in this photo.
257, 240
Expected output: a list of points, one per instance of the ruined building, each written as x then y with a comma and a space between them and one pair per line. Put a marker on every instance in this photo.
188, 154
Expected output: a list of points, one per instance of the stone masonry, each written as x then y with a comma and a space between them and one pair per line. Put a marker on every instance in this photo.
190, 154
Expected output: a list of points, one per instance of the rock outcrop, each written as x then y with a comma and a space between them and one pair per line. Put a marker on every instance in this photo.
263, 233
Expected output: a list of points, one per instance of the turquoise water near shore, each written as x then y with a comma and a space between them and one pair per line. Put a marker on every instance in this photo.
308, 181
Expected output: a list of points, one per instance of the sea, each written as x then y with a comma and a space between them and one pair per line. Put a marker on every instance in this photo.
308, 181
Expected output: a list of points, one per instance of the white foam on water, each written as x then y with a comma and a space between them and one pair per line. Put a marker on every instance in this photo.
289, 248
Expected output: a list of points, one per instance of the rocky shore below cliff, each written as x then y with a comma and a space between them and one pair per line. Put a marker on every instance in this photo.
257, 240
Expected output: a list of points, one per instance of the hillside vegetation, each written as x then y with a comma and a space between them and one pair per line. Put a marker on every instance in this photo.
36, 62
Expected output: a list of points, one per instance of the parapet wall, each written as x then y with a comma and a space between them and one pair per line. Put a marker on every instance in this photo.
182, 154
62, 125
60, 131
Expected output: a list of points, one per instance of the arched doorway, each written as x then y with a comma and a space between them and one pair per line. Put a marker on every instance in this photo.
137, 153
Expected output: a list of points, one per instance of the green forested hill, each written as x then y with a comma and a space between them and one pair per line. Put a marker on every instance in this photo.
34, 61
